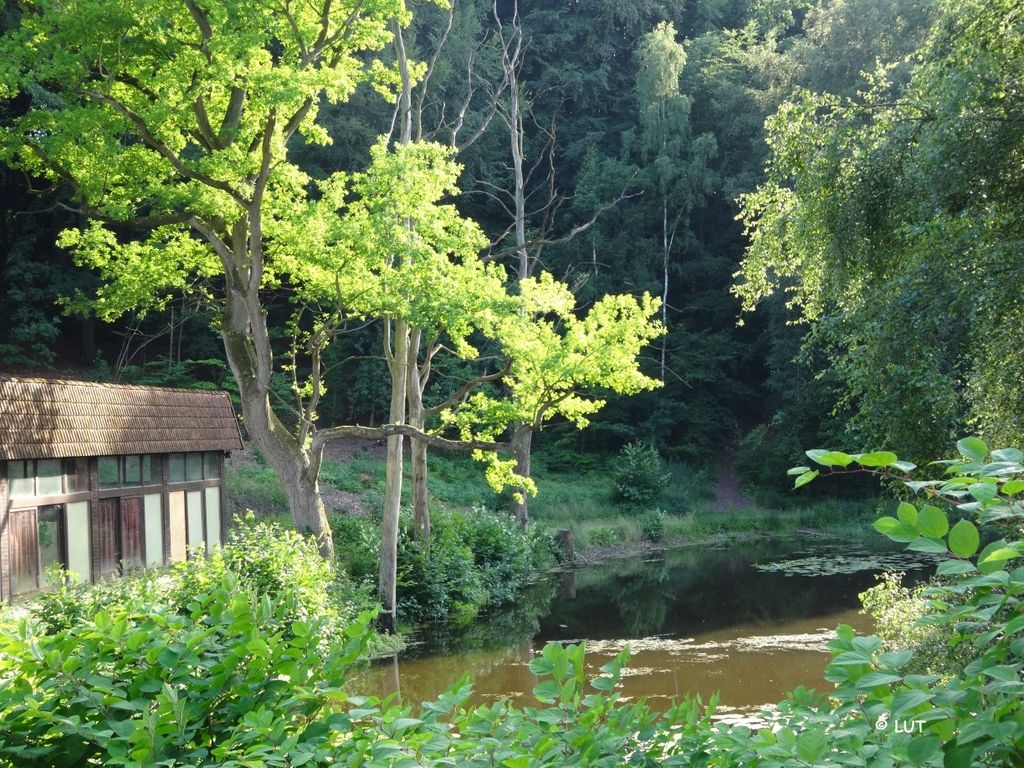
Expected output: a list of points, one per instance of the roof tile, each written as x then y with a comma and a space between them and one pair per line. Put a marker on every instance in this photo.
49, 418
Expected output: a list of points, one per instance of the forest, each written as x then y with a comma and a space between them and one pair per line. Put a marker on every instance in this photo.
556, 237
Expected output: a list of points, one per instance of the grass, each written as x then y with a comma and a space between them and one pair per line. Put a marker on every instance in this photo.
579, 500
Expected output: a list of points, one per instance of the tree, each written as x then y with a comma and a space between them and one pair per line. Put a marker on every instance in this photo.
173, 126
672, 160
892, 223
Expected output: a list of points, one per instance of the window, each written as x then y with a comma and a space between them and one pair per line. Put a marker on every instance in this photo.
211, 465
46, 477
21, 479
126, 471
176, 468
51, 538
194, 466
110, 471
76, 475
49, 477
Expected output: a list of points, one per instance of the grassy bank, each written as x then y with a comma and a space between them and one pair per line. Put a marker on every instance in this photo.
580, 501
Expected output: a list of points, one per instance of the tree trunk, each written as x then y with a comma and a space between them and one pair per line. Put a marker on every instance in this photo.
398, 364
247, 347
416, 417
522, 439
420, 506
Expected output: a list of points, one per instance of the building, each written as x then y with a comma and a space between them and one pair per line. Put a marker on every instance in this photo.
103, 478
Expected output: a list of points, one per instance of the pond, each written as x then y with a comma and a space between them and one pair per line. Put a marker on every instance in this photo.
748, 620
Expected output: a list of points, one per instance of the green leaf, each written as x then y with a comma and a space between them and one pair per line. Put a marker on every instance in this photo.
923, 748
957, 755
797, 470
886, 525
815, 454
907, 513
902, 702
932, 521
1009, 455
547, 691
983, 491
835, 459
994, 557
902, 466
811, 745
871, 679
973, 448
877, 459
955, 568
804, 479
1013, 487
964, 539
928, 544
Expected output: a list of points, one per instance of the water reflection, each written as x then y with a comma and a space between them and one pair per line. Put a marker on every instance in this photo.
696, 620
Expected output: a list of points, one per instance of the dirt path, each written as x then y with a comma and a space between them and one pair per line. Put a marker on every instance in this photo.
728, 493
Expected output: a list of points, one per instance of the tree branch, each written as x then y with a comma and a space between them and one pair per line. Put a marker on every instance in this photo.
324, 436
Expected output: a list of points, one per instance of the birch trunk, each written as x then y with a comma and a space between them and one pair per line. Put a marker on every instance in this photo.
387, 582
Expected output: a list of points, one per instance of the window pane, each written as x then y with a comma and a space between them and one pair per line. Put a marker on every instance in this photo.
194, 466
21, 479
76, 475
211, 465
176, 468
109, 471
194, 504
153, 506
212, 519
51, 538
79, 553
49, 477
147, 470
132, 470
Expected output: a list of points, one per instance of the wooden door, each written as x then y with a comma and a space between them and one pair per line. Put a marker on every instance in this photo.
24, 547
105, 551
132, 533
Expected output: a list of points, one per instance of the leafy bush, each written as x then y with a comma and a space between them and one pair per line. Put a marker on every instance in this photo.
900, 616
602, 537
477, 558
652, 524
230, 683
639, 475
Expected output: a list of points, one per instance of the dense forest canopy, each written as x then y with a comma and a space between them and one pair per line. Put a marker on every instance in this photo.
872, 150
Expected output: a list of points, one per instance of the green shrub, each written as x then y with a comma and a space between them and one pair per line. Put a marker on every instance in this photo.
639, 475
439, 584
900, 615
356, 547
652, 525
231, 682
602, 537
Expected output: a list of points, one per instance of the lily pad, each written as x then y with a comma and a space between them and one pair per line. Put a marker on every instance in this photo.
850, 561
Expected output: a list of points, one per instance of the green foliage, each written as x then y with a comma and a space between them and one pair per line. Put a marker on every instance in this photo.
477, 558
130, 680
900, 615
884, 215
639, 475
652, 525
275, 562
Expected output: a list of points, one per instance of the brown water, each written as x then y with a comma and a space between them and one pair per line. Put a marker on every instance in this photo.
696, 621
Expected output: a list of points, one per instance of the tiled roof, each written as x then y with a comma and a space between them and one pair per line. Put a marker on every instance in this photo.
41, 418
